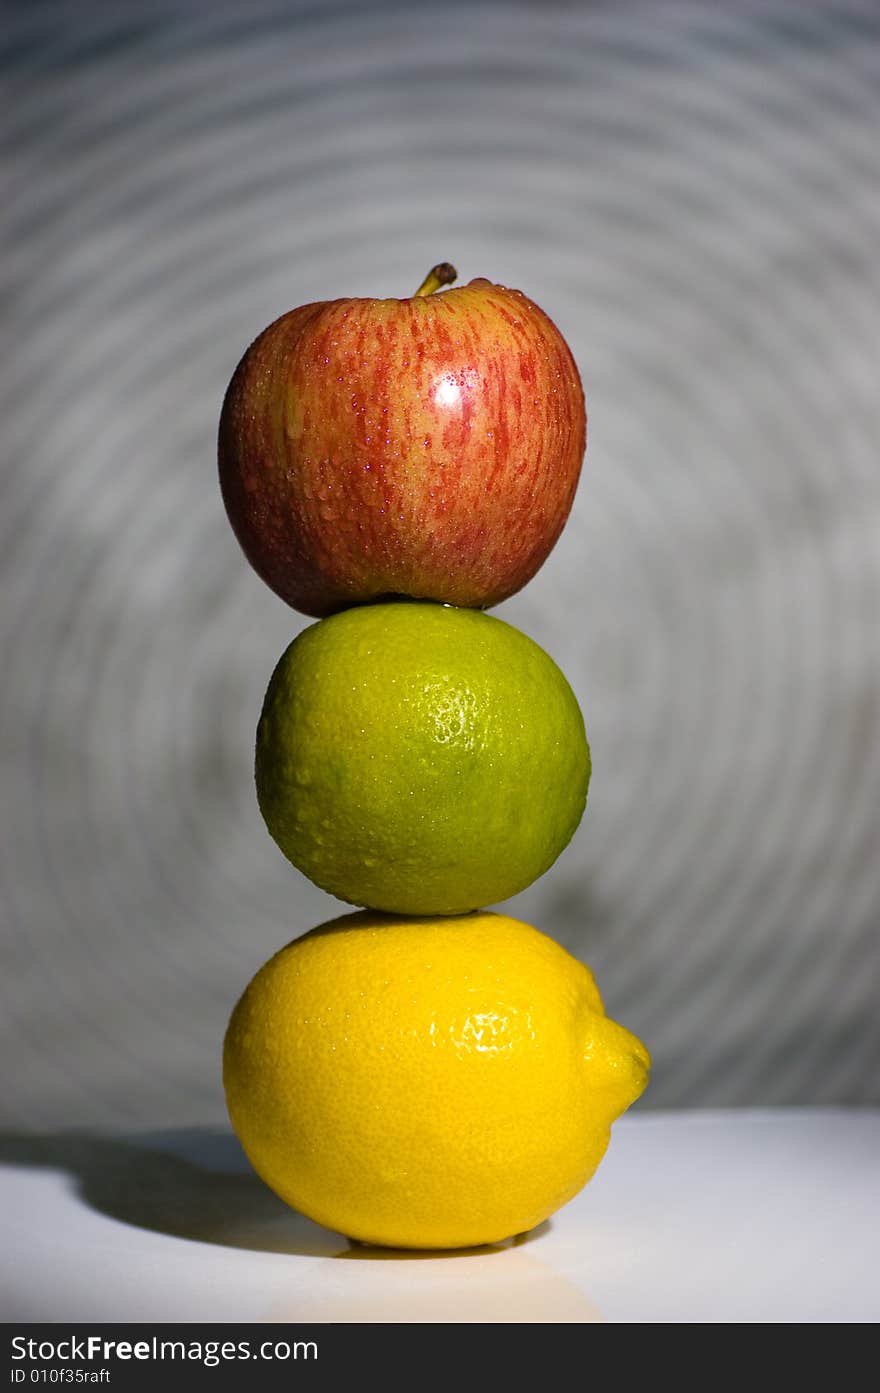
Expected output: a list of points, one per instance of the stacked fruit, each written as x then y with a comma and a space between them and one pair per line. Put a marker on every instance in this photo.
423, 1073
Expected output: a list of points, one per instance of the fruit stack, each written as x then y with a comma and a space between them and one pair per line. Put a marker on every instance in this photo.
422, 1073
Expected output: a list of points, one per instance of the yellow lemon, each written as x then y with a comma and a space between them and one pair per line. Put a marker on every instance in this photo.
420, 759
426, 1083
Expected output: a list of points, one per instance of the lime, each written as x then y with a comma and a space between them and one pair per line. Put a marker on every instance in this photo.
420, 759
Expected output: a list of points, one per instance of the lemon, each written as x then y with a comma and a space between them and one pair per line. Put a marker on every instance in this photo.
426, 1083
420, 759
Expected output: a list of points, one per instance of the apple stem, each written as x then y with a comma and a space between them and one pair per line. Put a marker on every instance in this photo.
441, 274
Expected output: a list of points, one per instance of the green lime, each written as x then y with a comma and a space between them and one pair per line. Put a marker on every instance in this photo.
420, 759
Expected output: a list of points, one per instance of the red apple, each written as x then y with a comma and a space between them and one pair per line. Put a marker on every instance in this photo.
427, 447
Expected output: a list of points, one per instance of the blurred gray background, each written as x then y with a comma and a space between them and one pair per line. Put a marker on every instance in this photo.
692, 191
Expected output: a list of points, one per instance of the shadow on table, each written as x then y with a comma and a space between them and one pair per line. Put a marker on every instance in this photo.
197, 1185
193, 1184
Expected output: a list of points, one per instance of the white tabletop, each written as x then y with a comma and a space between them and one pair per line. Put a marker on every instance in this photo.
708, 1216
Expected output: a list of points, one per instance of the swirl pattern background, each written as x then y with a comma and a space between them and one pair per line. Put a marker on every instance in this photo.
693, 193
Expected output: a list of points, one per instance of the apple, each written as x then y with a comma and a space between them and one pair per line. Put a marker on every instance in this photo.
426, 447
